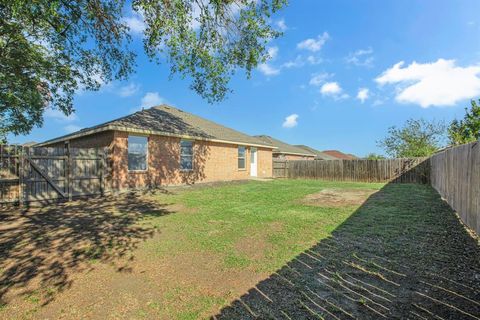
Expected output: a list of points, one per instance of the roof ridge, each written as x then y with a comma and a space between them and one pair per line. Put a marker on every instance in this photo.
167, 120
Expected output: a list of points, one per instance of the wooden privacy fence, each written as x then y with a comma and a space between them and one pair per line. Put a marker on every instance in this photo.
32, 174
280, 168
415, 170
455, 174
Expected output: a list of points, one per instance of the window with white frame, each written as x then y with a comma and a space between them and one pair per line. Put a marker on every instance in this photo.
137, 153
241, 157
186, 155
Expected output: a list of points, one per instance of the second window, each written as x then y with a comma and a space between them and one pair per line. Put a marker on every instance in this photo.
186, 155
241, 158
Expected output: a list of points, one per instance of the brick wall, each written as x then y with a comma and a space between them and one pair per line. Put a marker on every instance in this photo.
213, 161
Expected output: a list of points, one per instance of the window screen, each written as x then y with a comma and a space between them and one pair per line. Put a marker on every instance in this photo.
186, 155
241, 157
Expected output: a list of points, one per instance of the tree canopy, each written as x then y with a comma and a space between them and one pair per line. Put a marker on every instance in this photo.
417, 138
468, 129
50, 49
374, 156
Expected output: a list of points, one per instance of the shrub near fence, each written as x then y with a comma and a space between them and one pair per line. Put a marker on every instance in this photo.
455, 175
415, 170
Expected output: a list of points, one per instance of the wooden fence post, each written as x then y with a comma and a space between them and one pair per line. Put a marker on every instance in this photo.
21, 173
102, 170
69, 171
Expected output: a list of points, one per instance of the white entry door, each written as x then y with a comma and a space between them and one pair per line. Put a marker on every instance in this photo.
253, 162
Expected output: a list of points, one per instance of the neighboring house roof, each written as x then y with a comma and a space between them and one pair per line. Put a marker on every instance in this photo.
283, 147
169, 121
29, 144
340, 155
318, 154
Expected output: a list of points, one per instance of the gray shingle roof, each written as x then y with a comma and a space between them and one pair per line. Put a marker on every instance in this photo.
170, 121
283, 147
318, 154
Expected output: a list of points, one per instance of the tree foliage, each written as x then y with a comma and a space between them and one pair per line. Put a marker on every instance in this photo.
49, 49
417, 138
374, 156
468, 129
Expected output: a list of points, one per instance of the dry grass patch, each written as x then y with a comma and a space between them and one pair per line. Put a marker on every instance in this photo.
338, 197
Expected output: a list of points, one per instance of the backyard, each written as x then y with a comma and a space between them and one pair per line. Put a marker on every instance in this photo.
282, 249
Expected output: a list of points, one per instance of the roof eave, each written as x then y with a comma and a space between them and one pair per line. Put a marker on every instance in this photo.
294, 153
147, 132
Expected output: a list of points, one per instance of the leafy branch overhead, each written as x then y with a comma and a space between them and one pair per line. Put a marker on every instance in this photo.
50, 49
468, 129
209, 39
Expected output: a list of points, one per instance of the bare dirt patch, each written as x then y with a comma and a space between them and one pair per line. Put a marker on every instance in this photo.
338, 197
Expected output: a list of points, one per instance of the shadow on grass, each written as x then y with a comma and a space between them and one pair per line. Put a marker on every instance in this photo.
41, 248
402, 254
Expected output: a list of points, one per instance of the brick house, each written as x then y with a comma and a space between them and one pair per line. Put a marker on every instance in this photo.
286, 151
167, 146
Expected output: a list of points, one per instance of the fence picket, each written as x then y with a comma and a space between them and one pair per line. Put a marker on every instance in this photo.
394, 170
50, 173
456, 176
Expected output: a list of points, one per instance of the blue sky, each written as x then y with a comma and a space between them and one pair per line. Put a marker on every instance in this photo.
335, 81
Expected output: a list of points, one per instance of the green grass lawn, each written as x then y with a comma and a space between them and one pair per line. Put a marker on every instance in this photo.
268, 215
242, 251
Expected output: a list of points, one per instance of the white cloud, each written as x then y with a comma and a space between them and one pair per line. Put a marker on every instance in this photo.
268, 70
301, 61
334, 90
135, 23
440, 83
128, 90
272, 52
314, 45
330, 89
314, 60
363, 94
281, 25
361, 58
319, 79
151, 99
72, 128
297, 62
59, 115
290, 121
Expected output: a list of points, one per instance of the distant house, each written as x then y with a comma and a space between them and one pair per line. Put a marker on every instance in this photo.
167, 146
29, 144
340, 155
319, 155
286, 151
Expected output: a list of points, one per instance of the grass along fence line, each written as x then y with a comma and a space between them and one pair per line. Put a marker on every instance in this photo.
408, 170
